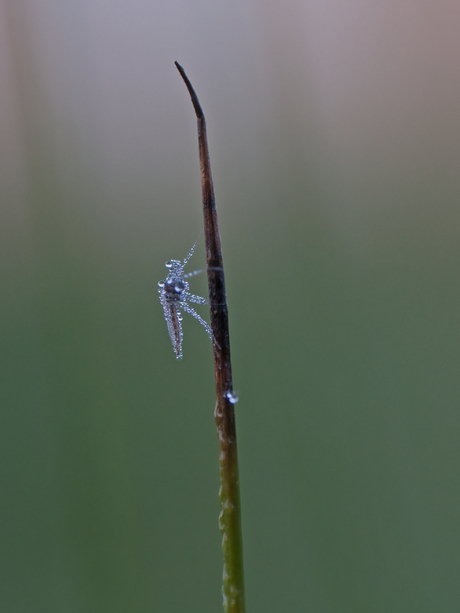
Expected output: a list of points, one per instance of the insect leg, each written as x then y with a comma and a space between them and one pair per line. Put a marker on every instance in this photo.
198, 272
196, 299
191, 251
191, 311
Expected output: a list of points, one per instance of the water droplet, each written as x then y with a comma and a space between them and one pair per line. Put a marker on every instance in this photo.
169, 264
232, 396
179, 286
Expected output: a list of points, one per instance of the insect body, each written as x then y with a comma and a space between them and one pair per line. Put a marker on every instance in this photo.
174, 298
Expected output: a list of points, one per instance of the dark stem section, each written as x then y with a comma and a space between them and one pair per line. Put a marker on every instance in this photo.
230, 516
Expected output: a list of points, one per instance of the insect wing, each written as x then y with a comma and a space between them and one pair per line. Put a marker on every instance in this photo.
175, 329
174, 323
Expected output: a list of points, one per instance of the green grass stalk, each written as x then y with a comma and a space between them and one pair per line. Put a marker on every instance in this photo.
229, 493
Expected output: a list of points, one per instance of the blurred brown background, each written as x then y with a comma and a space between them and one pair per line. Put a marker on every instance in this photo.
335, 144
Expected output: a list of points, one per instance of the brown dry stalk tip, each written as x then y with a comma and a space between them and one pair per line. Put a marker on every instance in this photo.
230, 516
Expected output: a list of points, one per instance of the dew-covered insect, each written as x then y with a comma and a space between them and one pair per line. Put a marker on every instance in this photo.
175, 296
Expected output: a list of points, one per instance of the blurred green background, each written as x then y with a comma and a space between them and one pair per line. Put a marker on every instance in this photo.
335, 143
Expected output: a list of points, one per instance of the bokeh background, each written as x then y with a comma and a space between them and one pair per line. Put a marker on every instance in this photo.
334, 132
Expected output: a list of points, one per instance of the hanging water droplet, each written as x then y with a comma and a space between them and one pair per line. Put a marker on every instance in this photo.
161, 283
232, 396
169, 264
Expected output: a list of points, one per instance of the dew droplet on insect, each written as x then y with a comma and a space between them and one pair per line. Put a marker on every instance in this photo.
161, 283
179, 286
169, 264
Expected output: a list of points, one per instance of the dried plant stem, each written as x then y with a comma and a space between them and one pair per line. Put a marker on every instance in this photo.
229, 493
